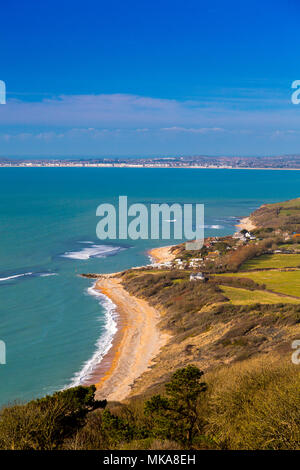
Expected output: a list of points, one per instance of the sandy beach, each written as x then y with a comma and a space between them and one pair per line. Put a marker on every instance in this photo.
135, 345
161, 254
246, 224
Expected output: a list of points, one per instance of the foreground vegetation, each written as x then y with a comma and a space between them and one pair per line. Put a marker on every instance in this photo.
253, 405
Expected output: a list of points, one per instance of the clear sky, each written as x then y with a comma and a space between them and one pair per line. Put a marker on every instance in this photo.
181, 77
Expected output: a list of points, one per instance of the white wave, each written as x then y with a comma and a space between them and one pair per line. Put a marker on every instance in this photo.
103, 344
216, 227
15, 276
48, 274
151, 259
93, 251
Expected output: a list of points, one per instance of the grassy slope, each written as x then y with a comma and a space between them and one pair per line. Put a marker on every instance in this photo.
280, 215
284, 282
206, 329
227, 319
239, 296
290, 246
272, 261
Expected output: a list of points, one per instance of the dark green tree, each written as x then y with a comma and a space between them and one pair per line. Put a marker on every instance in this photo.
176, 416
117, 429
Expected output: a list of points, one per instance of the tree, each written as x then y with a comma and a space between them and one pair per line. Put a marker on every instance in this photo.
43, 424
176, 415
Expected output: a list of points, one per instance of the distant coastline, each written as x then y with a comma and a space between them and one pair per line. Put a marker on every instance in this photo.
281, 162
187, 167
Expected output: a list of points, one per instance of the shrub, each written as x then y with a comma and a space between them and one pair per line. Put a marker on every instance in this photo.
255, 406
43, 424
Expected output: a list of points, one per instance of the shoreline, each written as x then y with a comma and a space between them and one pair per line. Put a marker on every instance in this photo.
161, 254
134, 347
246, 224
151, 167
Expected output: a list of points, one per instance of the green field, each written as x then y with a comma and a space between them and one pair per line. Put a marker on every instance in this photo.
272, 261
290, 246
294, 211
239, 296
284, 282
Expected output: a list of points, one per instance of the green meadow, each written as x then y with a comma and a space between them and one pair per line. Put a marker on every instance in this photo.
284, 282
238, 296
272, 261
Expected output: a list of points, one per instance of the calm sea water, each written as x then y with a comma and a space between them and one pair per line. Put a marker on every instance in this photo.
54, 326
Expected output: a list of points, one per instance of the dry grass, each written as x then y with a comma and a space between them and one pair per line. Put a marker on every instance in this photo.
255, 405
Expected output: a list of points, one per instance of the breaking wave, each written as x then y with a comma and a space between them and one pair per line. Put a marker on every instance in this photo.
104, 343
93, 251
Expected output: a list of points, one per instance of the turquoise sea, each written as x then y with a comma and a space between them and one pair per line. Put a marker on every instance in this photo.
54, 326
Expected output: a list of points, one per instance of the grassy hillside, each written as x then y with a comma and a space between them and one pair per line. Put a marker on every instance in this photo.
239, 296
232, 318
272, 261
209, 327
284, 282
283, 215
254, 404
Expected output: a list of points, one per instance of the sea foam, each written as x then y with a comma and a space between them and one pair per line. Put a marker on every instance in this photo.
93, 251
16, 276
104, 343
216, 227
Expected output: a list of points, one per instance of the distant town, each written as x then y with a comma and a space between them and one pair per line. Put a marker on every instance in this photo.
201, 161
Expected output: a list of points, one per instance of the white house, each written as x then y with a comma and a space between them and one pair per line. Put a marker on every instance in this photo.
197, 277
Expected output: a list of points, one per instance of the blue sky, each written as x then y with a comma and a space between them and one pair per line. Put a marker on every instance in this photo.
100, 78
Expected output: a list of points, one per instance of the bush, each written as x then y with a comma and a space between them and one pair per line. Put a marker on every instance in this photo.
43, 424
255, 406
